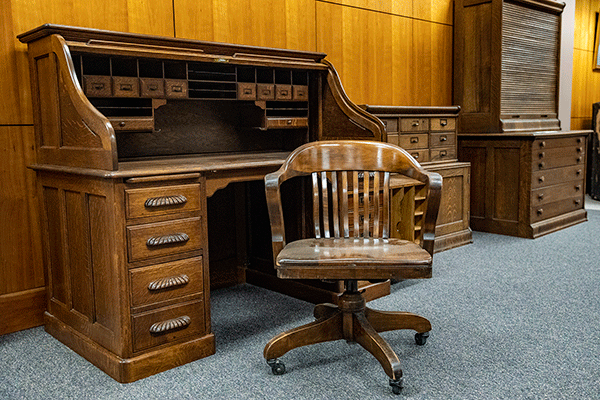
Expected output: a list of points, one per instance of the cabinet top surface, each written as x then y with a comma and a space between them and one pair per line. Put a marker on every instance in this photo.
89, 35
410, 110
524, 135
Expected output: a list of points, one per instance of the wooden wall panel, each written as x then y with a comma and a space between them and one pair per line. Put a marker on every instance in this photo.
415, 62
433, 10
20, 237
271, 23
404, 8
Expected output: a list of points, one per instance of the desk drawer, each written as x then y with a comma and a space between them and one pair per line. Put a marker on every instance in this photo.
542, 144
152, 87
132, 124
300, 92
545, 211
420, 155
414, 124
167, 325
390, 124
167, 281
246, 91
97, 85
414, 141
145, 202
283, 92
442, 154
442, 139
557, 157
556, 175
124, 86
163, 238
553, 193
265, 91
443, 124
176, 89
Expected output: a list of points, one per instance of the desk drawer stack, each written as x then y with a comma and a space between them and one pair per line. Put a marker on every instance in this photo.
429, 135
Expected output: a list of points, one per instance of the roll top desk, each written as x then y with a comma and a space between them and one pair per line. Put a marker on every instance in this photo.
133, 134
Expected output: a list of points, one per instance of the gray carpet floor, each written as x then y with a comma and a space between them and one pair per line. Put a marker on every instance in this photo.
512, 319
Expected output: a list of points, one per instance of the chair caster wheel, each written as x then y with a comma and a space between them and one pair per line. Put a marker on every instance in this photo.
277, 367
421, 338
397, 385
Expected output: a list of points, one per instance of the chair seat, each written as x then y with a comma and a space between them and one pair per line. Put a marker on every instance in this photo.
353, 258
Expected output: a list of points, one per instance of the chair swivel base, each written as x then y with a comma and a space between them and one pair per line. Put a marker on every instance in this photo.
353, 321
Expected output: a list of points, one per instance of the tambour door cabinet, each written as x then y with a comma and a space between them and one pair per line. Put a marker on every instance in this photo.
133, 134
527, 184
429, 135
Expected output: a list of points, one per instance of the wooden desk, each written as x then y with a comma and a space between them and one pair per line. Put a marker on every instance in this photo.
133, 134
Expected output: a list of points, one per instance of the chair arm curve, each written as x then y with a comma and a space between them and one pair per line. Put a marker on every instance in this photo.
434, 192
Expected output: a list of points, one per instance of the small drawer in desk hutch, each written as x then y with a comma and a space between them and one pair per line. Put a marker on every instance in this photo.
124, 86
145, 202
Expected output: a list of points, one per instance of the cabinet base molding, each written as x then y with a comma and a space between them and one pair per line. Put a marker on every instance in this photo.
452, 240
126, 370
557, 223
25, 310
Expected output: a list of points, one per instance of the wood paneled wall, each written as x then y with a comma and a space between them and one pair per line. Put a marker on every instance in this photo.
586, 81
387, 52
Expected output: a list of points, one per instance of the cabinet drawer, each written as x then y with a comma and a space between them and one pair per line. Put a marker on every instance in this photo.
162, 200
414, 124
443, 124
97, 86
392, 138
167, 325
167, 281
287, 122
124, 86
442, 154
265, 91
416, 141
391, 124
549, 210
557, 157
152, 87
557, 175
246, 91
542, 144
163, 238
300, 92
442, 139
283, 92
553, 193
420, 155
176, 89
132, 123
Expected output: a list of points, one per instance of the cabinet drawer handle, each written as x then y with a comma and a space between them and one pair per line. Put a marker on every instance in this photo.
443, 122
577, 202
542, 144
415, 155
580, 149
283, 92
443, 138
247, 91
415, 123
578, 172
98, 86
414, 140
122, 124
165, 201
169, 282
542, 165
173, 238
541, 196
170, 324
578, 159
126, 87
577, 188
541, 155
443, 153
540, 211
177, 88
541, 179
579, 140
153, 87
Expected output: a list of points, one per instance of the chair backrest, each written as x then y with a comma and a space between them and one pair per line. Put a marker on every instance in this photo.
351, 189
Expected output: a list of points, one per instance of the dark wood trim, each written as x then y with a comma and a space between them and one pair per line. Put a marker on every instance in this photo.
24, 309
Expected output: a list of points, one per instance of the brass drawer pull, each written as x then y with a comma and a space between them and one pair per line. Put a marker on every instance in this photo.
415, 155
579, 140
578, 172
98, 86
578, 159
443, 122
165, 201
541, 154
283, 92
443, 138
580, 149
247, 91
173, 238
168, 325
443, 153
540, 211
414, 140
577, 188
153, 87
169, 282
541, 179
541, 196
126, 87
542, 144
415, 123
177, 88
542, 165
577, 202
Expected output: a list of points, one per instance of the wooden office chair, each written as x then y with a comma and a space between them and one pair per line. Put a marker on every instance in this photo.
351, 213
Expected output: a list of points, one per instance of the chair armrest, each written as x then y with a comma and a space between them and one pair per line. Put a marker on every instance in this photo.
434, 194
273, 194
